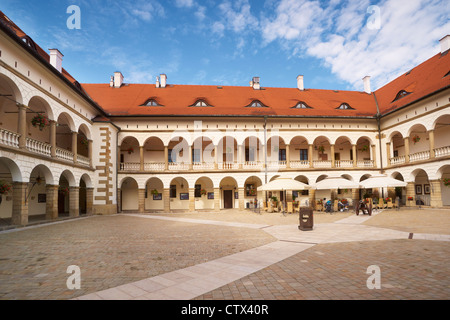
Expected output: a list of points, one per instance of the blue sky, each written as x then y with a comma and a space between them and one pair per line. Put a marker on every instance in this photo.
334, 44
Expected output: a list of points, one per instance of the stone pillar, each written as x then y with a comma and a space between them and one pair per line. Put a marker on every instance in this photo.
436, 195
241, 155
141, 200
74, 201
191, 200
191, 164
354, 155
355, 196
374, 156
74, 145
216, 199
119, 200
166, 158
310, 156
333, 158
312, 198
19, 206
22, 126
166, 199
288, 156
141, 158
388, 153
431, 137
89, 201
406, 149
216, 158
53, 138
241, 198
51, 202
90, 153
410, 192
264, 155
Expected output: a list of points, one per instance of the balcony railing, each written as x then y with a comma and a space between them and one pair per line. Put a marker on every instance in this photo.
39, 147
9, 138
344, 163
398, 160
252, 165
322, 163
418, 156
178, 166
203, 165
300, 164
130, 166
442, 152
364, 164
83, 160
154, 166
64, 154
228, 166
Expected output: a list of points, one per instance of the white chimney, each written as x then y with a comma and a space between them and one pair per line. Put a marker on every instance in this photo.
56, 59
445, 43
157, 82
111, 82
300, 85
163, 78
255, 83
118, 79
366, 81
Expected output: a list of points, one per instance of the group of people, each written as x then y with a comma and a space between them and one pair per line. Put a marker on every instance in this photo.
341, 206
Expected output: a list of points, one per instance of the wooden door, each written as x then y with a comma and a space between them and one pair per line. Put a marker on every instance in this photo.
228, 199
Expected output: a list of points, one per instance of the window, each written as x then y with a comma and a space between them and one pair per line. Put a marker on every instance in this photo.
198, 191
401, 94
303, 154
173, 191
301, 105
196, 155
151, 103
201, 103
256, 104
172, 156
345, 106
250, 154
282, 155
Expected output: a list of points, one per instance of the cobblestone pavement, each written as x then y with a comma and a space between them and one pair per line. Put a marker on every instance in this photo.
125, 256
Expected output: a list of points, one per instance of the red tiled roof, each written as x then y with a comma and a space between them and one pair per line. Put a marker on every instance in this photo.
426, 78
227, 100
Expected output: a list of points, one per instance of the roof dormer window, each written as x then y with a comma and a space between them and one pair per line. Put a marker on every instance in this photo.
151, 103
401, 94
201, 103
256, 104
345, 106
301, 105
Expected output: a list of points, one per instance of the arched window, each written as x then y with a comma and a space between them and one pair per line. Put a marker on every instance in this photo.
301, 105
345, 106
256, 104
401, 94
201, 103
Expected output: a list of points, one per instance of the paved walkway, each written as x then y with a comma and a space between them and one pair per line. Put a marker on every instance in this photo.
200, 280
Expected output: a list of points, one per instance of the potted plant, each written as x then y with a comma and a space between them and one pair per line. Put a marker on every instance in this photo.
84, 142
4, 189
130, 150
64, 191
364, 148
446, 182
40, 121
203, 192
416, 139
410, 198
154, 192
321, 149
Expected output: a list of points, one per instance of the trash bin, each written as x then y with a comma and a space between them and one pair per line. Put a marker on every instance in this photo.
306, 218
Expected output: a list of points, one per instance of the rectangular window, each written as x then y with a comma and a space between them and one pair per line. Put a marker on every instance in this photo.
282, 155
173, 191
196, 155
304, 154
198, 191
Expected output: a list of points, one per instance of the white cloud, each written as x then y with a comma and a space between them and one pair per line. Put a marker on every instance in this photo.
184, 3
237, 16
339, 35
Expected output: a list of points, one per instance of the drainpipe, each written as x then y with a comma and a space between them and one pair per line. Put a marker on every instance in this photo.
265, 147
378, 116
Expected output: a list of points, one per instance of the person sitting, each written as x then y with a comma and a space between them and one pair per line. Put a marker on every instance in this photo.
328, 206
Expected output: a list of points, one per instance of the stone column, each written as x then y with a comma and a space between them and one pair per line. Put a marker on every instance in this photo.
354, 155
264, 155
191, 200
141, 158
53, 138
90, 154
166, 158
436, 195
166, 199
119, 200
388, 153
241, 155
191, 163
410, 192
51, 202
288, 156
431, 137
312, 198
355, 196
141, 200
74, 201
310, 156
374, 156
241, 198
74, 145
333, 158
89, 201
19, 206
216, 199
22, 126
406, 140
216, 158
